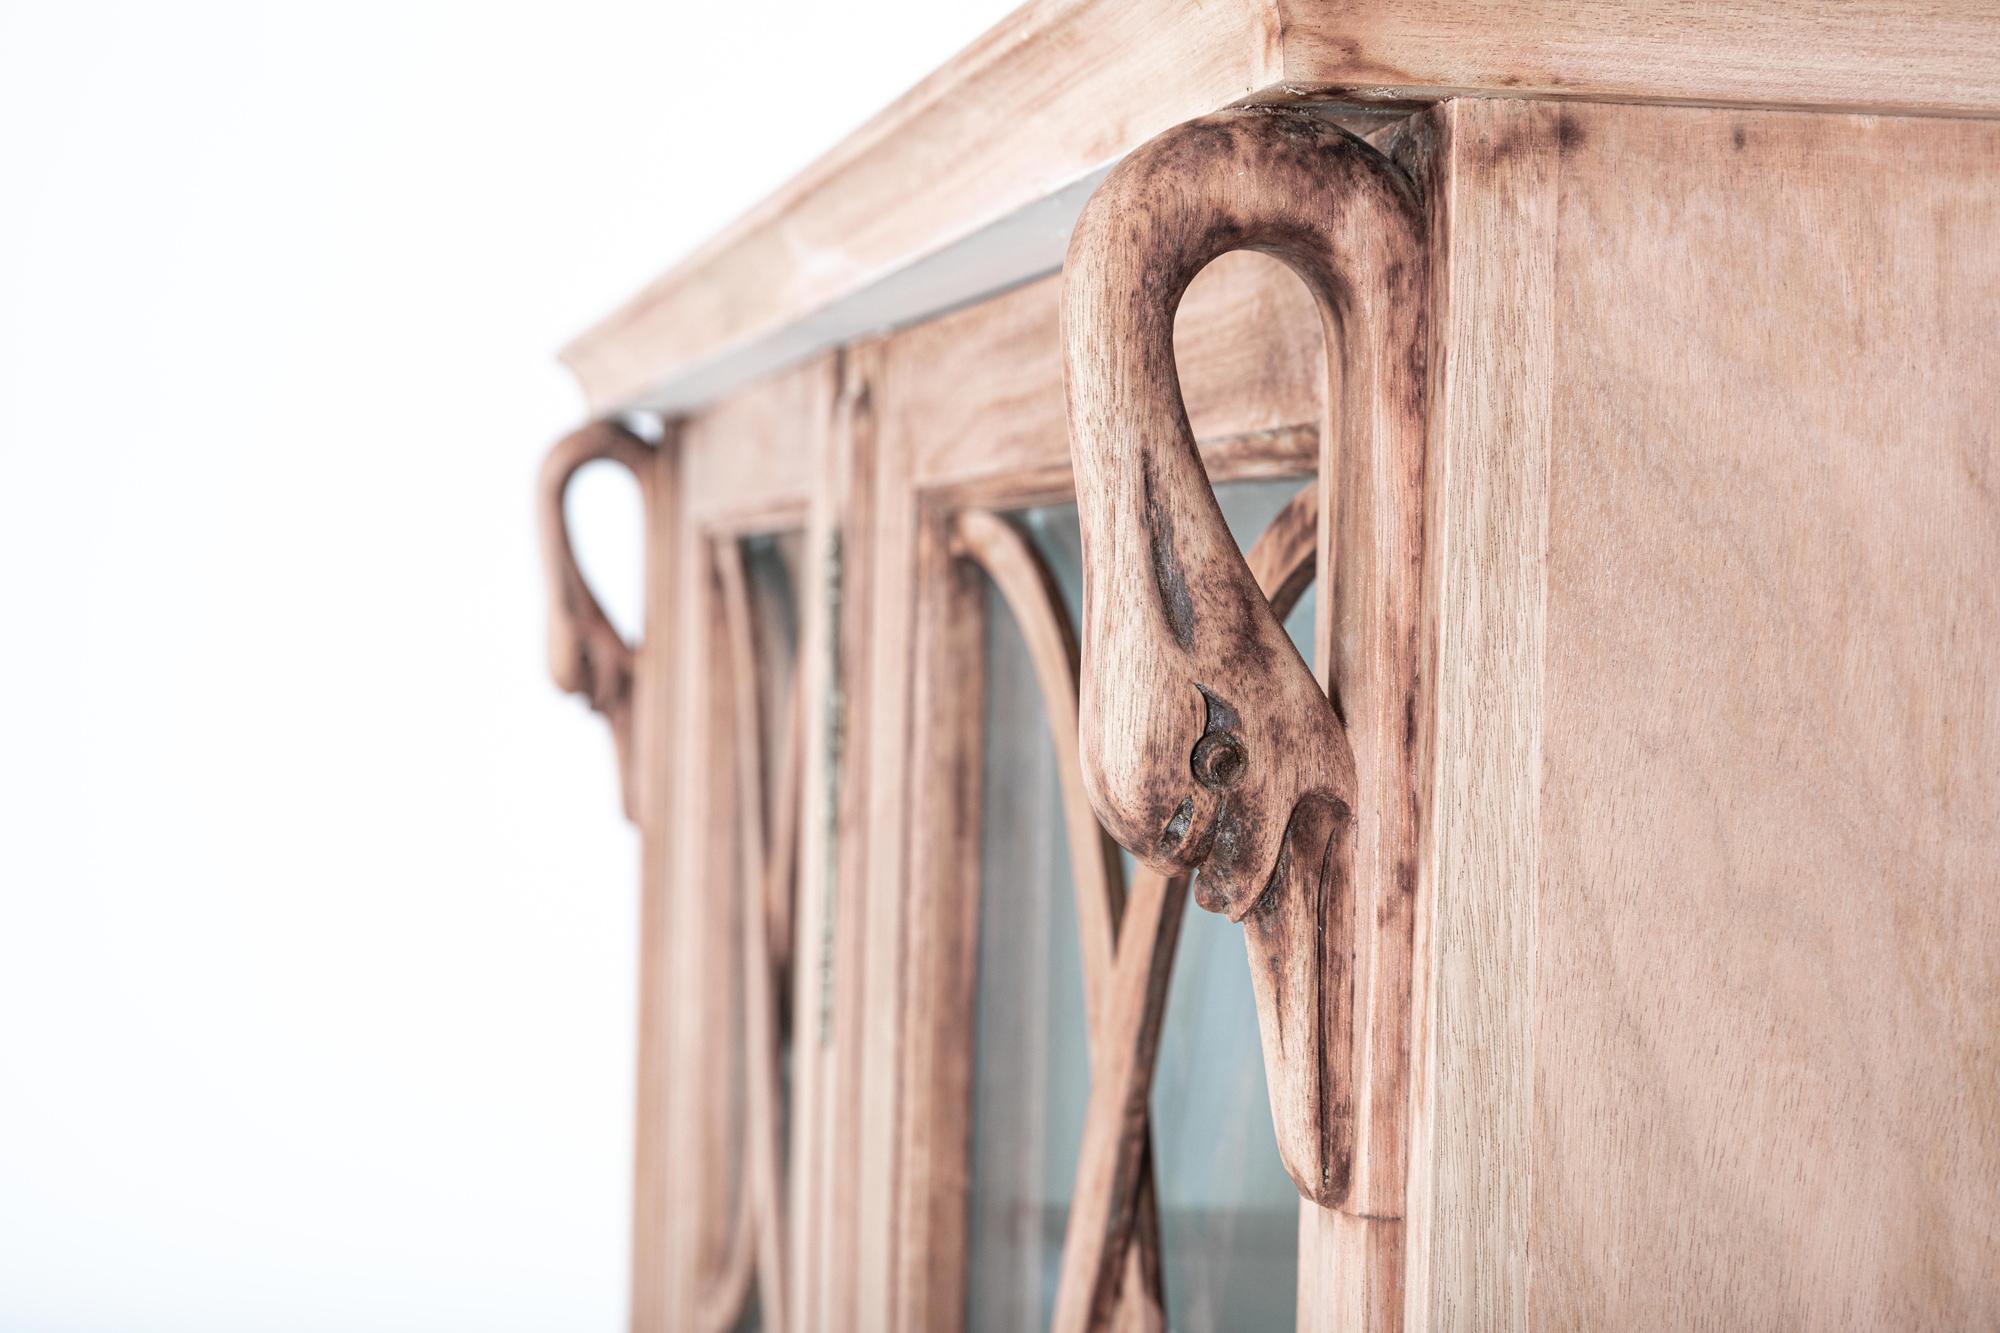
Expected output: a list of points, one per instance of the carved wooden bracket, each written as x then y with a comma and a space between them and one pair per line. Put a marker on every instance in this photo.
1111, 1207
1207, 744
586, 654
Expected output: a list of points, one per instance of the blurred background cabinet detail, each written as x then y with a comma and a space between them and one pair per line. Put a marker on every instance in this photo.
1682, 1012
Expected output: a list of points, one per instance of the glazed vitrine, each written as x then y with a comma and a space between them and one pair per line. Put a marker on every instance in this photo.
1327, 664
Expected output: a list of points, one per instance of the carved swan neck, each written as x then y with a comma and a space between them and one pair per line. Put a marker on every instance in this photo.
1207, 743
586, 654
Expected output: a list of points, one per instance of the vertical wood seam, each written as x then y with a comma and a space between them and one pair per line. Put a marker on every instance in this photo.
1490, 550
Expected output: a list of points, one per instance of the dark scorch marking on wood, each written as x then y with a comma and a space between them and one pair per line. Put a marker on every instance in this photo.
1169, 579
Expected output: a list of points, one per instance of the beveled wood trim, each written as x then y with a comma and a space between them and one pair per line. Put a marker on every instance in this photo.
704, 963
754, 463
934, 1096
725, 1294
1894, 57
967, 184
1493, 244
864, 480
723, 1297
752, 457
826, 945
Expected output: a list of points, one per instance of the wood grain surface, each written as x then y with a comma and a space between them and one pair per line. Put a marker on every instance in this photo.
1708, 1039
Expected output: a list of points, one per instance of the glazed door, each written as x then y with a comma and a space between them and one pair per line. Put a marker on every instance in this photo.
1215, 1241
1715, 964
1083, 1103
727, 725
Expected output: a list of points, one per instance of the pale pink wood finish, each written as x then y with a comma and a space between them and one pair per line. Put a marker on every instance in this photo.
1707, 1033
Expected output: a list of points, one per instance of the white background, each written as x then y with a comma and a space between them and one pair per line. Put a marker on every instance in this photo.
317, 915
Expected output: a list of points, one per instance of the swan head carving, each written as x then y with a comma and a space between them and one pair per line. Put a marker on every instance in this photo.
1207, 744
587, 655
1203, 728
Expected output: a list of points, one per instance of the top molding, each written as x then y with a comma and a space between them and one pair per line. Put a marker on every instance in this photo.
969, 183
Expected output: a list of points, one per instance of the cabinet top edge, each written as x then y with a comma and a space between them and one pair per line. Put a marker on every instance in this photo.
969, 182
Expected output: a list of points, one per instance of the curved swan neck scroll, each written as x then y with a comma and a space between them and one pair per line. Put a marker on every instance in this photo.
587, 656
1207, 743
1109, 1206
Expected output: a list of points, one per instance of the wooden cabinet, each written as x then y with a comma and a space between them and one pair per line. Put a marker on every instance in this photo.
1610, 938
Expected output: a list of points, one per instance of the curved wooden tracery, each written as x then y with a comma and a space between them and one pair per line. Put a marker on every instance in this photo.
1128, 942
767, 853
1029, 590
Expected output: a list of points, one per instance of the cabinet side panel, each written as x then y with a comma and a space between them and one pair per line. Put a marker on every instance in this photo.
1767, 946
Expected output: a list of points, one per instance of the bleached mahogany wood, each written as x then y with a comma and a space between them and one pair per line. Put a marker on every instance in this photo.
831, 673
1901, 55
866, 650
587, 656
1821, 833
1029, 589
969, 183
1717, 945
1110, 1201
1493, 268
1208, 745
701, 1133
749, 457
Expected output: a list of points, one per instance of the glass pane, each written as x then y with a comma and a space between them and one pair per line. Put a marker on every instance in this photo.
771, 568
1228, 1211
